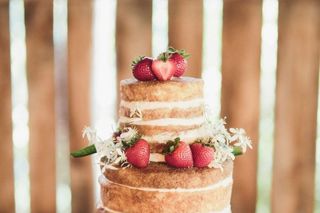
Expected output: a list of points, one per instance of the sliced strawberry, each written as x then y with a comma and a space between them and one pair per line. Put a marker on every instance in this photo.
138, 154
163, 68
202, 155
142, 70
178, 154
178, 57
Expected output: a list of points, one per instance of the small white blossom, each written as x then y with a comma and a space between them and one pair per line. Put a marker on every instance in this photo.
242, 140
223, 141
109, 151
222, 154
127, 134
91, 135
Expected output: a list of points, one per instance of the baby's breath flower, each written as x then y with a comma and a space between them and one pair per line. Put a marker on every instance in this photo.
223, 140
127, 134
242, 140
110, 152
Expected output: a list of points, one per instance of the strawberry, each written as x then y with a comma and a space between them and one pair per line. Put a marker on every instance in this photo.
178, 154
138, 154
141, 69
163, 68
179, 58
202, 155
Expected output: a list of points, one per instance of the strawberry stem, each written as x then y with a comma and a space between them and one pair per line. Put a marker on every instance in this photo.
164, 56
171, 146
137, 60
183, 53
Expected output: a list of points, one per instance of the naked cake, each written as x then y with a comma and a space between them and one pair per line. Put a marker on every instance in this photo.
167, 155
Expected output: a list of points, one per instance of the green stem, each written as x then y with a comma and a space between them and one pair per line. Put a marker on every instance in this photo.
237, 151
84, 151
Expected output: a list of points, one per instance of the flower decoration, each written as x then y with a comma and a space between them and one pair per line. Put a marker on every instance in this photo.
110, 151
226, 143
242, 140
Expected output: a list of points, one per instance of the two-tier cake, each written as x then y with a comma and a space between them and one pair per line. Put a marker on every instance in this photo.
167, 154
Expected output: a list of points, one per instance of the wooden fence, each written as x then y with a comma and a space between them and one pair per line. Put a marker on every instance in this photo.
296, 92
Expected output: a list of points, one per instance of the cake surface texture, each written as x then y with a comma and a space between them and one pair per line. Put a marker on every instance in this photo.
162, 111
159, 188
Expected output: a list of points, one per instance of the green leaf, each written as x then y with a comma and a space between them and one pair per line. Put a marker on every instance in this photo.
171, 146
137, 60
163, 56
183, 53
84, 151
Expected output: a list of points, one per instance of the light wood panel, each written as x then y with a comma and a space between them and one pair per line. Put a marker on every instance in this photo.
133, 33
79, 66
296, 106
6, 157
186, 30
240, 91
40, 75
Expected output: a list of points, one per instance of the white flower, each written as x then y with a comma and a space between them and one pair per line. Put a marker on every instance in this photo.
222, 153
127, 134
109, 152
242, 140
91, 135
223, 141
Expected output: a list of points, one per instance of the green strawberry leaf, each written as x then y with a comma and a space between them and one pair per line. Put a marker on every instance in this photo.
136, 61
183, 53
171, 146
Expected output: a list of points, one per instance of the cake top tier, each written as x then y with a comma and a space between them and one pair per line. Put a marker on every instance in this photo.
177, 89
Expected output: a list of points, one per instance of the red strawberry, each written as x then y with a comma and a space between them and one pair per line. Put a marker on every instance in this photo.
163, 68
178, 154
138, 154
178, 57
141, 69
202, 155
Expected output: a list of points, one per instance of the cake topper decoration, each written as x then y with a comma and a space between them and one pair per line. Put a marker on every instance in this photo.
171, 63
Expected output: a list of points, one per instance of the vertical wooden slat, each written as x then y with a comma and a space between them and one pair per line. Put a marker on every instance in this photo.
185, 31
79, 65
240, 91
296, 106
6, 157
40, 75
133, 33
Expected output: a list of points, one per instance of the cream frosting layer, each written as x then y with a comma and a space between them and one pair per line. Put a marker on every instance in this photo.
223, 183
188, 136
156, 157
164, 122
145, 105
225, 210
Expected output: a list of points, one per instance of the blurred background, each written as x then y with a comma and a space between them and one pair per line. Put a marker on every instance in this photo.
61, 61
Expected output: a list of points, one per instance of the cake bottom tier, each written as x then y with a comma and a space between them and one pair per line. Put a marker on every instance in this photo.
159, 188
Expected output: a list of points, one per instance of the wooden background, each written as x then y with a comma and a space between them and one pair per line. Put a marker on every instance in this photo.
293, 185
